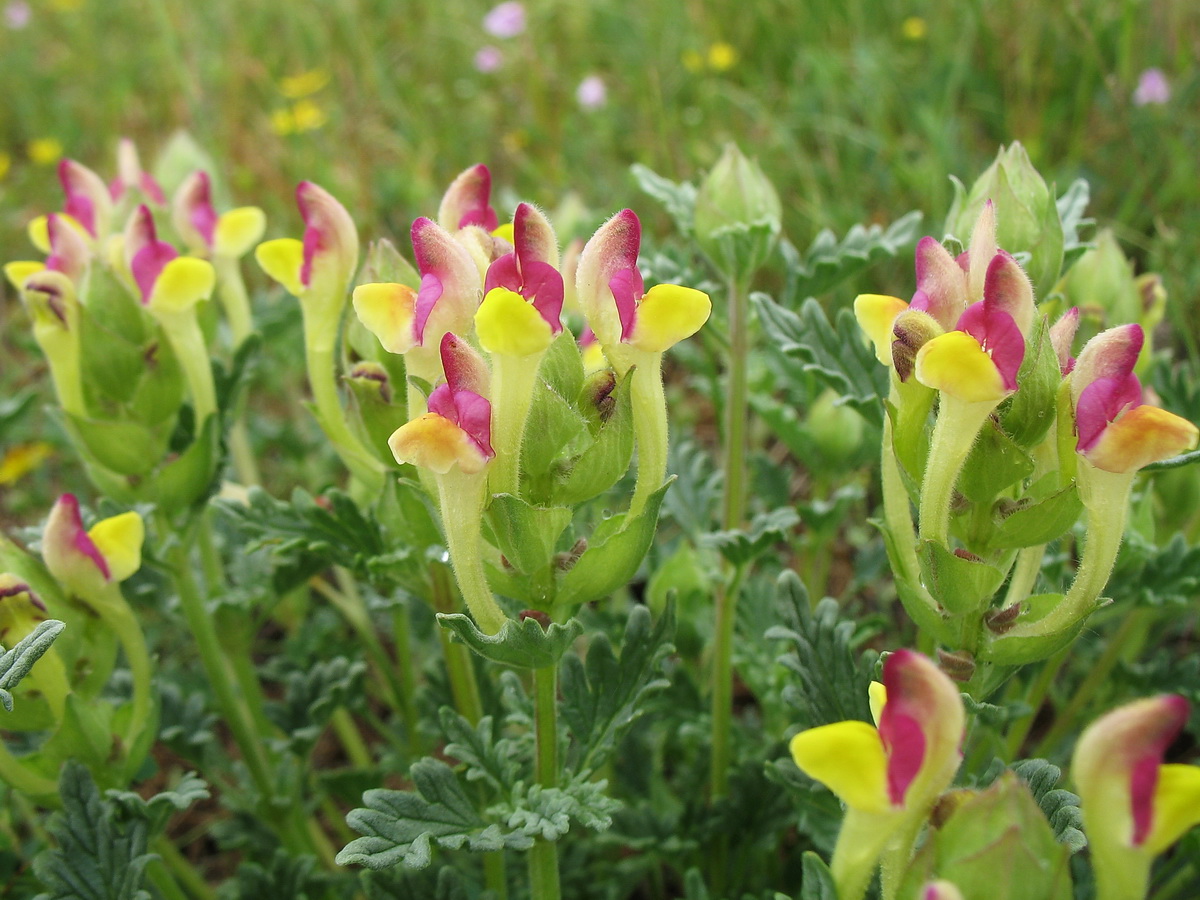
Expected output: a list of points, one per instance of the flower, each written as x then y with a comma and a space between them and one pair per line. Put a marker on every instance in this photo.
1134, 806
456, 431
301, 85
505, 20
1152, 87
722, 56
890, 776
914, 28
44, 151
324, 261
208, 233
17, 14
488, 59
131, 176
85, 562
468, 201
88, 200
166, 282
21, 459
1117, 432
618, 308
307, 115
591, 93
523, 290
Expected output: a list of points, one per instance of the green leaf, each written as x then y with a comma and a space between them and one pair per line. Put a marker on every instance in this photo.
816, 882
838, 354
562, 366
310, 698
402, 827
961, 585
678, 199
16, 663
401, 884
156, 811
1061, 807
996, 461
285, 877
523, 644
607, 459
1038, 523
614, 554
832, 679
1028, 415
1071, 208
766, 530
827, 262
527, 535
604, 695
484, 757
557, 429
547, 813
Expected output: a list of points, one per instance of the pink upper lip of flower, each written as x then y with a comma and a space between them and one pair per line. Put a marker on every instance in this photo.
526, 272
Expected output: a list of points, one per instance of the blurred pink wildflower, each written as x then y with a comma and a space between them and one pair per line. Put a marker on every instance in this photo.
17, 14
1152, 88
506, 20
488, 59
592, 92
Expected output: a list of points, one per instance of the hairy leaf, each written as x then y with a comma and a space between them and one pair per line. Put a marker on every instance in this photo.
766, 530
603, 695
16, 663
310, 698
484, 757
677, 198
524, 644
828, 262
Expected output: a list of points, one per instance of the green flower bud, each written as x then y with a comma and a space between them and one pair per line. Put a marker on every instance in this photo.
386, 265
836, 429
1102, 285
995, 844
1027, 219
738, 215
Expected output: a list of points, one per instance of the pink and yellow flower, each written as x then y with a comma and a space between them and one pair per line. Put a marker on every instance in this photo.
323, 261
86, 562
1134, 805
207, 232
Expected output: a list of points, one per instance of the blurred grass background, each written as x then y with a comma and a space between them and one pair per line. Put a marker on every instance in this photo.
857, 110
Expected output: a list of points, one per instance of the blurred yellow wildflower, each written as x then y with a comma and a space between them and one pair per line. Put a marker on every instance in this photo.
44, 151
5, 165
693, 61
296, 86
914, 28
282, 121
722, 56
308, 116
515, 141
22, 459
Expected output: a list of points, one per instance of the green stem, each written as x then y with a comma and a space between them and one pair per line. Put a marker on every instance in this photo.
958, 424
461, 500
513, 382
1024, 575
543, 856
861, 840
232, 291
897, 510
733, 509
181, 869
722, 688
187, 340
319, 360
234, 711
351, 738
61, 350
649, 404
241, 452
459, 668
1034, 699
406, 676
896, 856
117, 615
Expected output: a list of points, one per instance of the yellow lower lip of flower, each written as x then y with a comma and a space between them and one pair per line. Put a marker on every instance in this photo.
956, 364
434, 442
238, 230
508, 324
183, 283
506, 232
1176, 806
387, 311
282, 259
22, 459
1143, 435
849, 759
119, 540
668, 314
18, 272
876, 313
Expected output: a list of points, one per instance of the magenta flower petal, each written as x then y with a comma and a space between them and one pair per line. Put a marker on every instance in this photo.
78, 535
200, 209
544, 287
441, 401
467, 201
904, 742
79, 184
941, 281
475, 418
1143, 778
1112, 352
503, 272
1006, 287
152, 189
999, 336
1101, 403
148, 264
427, 297
465, 369
627, 289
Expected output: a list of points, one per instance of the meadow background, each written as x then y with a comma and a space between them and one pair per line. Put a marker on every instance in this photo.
856, 110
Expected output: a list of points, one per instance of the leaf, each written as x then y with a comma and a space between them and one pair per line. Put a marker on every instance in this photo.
677, 198
524, 644
995, 462
547, 813
827, 262
527, 535
1071, 208
401, 827
16, 663
832, 680
101, 852
399, 884
839, 355
604, 695
1060, 807
485, 758
766, 530
1038, 523
817, 881
607, 459
285, 877
310, 698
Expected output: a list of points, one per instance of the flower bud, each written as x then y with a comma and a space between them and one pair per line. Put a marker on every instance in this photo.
1027, 219
738, 214
1101, 283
